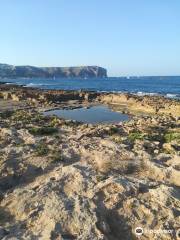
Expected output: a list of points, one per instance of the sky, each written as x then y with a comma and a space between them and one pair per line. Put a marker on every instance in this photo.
128, 37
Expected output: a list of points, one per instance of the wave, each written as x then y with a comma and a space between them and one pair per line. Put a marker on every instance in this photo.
175, 96
167, 95
42, 84
37, 84
147, 93
34, 84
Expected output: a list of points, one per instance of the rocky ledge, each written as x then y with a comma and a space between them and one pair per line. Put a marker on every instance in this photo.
128, 103
60, 179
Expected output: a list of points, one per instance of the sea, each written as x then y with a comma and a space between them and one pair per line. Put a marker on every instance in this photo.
165, 86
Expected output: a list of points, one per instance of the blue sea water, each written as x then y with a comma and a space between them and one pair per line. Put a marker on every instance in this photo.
167, 86
95, 114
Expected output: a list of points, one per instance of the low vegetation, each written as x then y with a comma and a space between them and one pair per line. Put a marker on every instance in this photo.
113, 130
172, 136
43, 130
55, 121
57, 157
41, 149
26, 117
136, 136
6, 114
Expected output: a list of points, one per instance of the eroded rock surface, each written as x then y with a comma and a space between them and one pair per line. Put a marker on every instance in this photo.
121, 102
61, 179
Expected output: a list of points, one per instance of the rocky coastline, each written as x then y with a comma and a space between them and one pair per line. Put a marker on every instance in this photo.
65, 180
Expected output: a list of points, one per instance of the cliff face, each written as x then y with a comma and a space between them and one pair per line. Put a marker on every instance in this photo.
49, 72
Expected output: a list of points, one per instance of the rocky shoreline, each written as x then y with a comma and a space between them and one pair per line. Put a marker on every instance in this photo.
120, 102
61, 179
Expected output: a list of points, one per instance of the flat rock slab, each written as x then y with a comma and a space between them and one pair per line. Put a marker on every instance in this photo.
11, 105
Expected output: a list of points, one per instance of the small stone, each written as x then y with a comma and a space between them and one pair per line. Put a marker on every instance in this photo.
156, 151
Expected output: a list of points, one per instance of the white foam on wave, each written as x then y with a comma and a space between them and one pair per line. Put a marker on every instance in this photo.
33, 84
147, 93
39, 84
30, 85
170, 95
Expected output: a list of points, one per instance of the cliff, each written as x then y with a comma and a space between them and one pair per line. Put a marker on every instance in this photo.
10, 71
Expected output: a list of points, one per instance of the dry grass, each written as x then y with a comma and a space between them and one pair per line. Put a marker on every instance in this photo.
122, 165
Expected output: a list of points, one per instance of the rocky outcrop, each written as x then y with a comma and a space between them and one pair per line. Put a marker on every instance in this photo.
88, 182
142, 104
128, 103
64, 180
10, 71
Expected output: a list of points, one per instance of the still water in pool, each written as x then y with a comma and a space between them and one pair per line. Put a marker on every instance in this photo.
95, 114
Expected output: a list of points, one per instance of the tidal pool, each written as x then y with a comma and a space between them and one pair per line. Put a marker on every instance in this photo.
94, 114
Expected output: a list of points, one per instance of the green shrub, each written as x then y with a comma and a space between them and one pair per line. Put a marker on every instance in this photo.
26, 116
100, 178
171, 136
54, 122
43, 130
113, 130
131, 168
155, 137
6, 114
41, 149
136, 136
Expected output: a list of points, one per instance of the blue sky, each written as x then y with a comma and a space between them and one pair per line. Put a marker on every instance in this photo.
128, 37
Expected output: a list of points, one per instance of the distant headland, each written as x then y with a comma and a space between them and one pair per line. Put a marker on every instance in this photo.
11, 71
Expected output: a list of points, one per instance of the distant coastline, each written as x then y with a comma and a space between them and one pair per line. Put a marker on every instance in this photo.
11, 71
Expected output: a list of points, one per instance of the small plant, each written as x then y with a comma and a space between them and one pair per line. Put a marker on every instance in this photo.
57, 157
131, 168
100, 178
21, 116
113, 130
117, 139
171, 136
38, 117
136, 136
41, 149
54, 122
26, 116
6, 114
155, 137
43, 130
